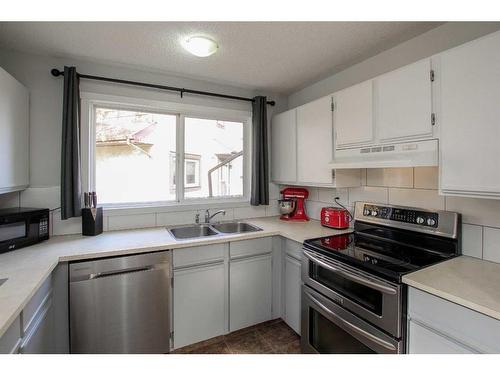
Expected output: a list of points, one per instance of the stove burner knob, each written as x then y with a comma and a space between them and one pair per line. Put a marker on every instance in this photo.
374, 213
420, 220
431, 222
367, 212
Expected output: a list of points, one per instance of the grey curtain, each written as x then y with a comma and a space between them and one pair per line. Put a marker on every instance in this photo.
70, 152
259, 194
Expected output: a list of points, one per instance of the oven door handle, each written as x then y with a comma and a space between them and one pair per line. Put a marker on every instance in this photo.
348, 275
353, 327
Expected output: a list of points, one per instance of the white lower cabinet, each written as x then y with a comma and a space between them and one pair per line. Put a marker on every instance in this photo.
10, 342
438, 326
423, 340
250, 291
292, 285
40, 338
199, 303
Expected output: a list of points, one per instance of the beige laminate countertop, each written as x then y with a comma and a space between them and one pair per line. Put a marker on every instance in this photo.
467, 281
27, 268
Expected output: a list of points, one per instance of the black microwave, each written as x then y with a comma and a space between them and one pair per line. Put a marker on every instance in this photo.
20, 227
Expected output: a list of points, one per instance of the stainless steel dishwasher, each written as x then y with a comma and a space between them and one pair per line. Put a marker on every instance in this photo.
121, 304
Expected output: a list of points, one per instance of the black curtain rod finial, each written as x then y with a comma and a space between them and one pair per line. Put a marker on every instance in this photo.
56, 72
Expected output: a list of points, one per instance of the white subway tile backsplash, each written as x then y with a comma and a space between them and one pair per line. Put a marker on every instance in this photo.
9, 200
472, 240
368, 194
327, 195
62, 227
272, 209
475, 210
363, 177
313, 193
313, 209
43, 197
131, 221
491, 244
274, 191
426, 177
417, 198
249, 212
390, 177
176, 218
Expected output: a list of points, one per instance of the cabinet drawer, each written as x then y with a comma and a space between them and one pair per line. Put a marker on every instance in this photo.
35, 305
293, 249
464, 325
11, 339
425, 341
246, 248
191, 256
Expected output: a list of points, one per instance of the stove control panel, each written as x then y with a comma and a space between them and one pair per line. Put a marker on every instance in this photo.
423, 218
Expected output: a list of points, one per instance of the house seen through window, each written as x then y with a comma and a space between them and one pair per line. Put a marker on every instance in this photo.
136, 157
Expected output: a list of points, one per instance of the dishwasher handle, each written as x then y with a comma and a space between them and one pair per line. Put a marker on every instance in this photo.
119, 271
100, 275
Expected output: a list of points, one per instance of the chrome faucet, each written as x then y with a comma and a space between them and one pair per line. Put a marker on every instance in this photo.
209, 217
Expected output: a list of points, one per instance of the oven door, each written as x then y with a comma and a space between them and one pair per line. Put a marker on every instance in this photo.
329, 329
375, 300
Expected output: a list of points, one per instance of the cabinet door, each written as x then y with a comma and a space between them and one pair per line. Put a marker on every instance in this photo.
40, 338
14, 130
250, 296
425, 341
469, 119
315, 141
292, 293
199, 304
353, 115
403, 102
284, 147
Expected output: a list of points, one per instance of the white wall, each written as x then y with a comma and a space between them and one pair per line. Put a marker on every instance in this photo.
434, 41
45, 132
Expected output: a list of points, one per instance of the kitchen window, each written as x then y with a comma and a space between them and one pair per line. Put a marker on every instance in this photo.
132, 158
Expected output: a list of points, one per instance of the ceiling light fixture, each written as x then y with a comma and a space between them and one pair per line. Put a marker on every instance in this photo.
200, 46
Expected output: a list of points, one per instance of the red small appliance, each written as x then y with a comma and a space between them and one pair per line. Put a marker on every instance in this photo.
298, 196
335, 217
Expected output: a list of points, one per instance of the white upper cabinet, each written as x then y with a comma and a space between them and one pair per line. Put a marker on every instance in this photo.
314, 141
353, 115
14, 134
470, 119
284, 147
403, 103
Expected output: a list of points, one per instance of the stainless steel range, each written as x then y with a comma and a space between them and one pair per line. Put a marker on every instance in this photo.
353, 300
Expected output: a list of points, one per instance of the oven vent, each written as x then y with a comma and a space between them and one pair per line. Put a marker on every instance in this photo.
388, 148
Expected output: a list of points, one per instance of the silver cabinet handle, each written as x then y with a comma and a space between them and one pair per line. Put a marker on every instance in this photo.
351, 276
353, 327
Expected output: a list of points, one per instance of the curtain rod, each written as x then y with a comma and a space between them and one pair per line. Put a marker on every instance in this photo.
57, 73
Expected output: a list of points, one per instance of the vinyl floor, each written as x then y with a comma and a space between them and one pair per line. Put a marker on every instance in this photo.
271, 337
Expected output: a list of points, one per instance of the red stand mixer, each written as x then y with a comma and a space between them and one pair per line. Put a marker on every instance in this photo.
292, 206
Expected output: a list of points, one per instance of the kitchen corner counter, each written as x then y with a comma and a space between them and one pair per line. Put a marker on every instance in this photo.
467, 281
27, 268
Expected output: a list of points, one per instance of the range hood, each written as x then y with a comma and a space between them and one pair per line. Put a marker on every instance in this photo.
408, 154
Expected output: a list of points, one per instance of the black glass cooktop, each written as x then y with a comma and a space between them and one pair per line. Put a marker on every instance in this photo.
386, 252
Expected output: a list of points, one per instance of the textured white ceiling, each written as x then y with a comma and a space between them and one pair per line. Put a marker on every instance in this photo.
280, 57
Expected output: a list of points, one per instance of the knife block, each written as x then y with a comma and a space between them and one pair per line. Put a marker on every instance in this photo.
91, 221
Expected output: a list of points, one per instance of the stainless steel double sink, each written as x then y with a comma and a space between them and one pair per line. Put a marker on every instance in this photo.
206, 230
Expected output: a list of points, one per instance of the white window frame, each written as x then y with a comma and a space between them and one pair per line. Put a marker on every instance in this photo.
90, 101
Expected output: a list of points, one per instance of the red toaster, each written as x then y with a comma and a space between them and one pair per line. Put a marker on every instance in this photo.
335, 218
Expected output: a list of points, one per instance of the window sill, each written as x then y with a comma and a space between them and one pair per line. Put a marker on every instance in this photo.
188, 205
